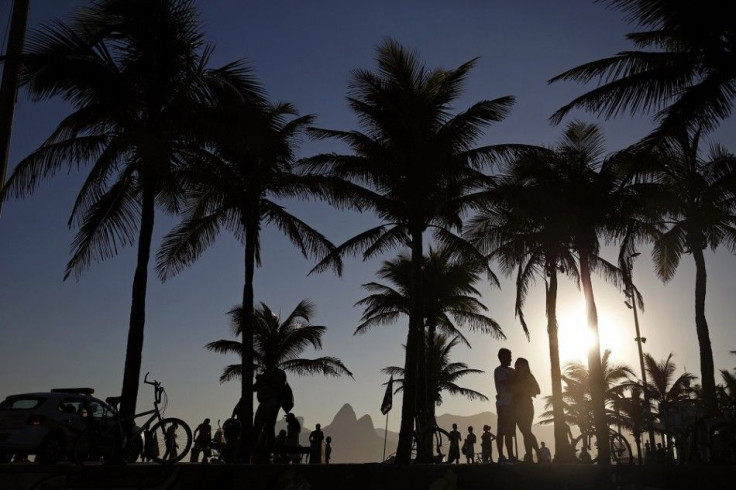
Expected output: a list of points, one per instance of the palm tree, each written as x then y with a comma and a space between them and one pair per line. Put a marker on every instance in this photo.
698, 199
523, 230
412, 165
682, 69
579, 398
445, 373
633, 413
135, 74
600, 206
285, 339
450, 299
572, 196
664, 390
234, 187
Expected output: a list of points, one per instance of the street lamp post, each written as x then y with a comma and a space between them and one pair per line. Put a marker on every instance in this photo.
631, 303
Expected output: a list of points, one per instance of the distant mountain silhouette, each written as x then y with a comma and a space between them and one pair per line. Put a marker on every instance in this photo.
358, 440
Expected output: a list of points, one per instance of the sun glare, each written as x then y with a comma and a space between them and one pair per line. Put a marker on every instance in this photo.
576, 339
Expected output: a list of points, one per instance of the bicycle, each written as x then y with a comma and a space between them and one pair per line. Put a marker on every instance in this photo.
163, 440
585, 447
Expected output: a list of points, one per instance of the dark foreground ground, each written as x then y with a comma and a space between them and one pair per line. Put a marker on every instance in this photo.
365, 476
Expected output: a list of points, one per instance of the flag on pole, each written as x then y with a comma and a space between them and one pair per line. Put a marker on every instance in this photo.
388, 397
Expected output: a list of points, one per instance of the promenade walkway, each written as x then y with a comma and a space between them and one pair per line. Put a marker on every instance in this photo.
376, 476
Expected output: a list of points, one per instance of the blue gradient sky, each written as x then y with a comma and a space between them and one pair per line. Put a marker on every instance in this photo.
57, 333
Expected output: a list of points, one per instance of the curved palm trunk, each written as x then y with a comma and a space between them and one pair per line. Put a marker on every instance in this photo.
707, 373
134, 349
562, 449
594, 366
245, 414
411, 400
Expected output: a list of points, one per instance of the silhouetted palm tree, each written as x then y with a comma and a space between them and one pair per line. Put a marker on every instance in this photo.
285, 339
666, 391
451, 302
135, 75
522, 228
234, 187
698, 200
445, 373
579, 401
682, 69
413, 164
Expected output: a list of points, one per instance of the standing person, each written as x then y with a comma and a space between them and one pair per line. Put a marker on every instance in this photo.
503, 377
293, 428
315, 445
172, 446
268, 387
328, 449
525, 388
544, 455
202, 440
454, 452
470, 445
486, 444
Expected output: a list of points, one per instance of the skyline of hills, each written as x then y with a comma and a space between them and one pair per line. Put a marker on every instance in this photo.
358, 440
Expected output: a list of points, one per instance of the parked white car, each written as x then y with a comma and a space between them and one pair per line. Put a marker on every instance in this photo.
46, 424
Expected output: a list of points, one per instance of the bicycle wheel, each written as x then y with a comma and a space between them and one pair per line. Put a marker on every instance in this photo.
96, 444
620, 449
170, 442
723, 443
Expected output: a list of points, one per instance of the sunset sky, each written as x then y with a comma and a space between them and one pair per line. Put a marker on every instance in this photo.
73, 333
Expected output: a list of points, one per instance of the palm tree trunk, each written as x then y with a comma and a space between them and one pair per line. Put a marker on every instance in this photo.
411, 399
707, 373
594, 365
562, 450
245, 414
134, 349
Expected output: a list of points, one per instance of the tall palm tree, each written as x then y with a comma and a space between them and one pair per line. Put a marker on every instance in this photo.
681, 70
601, 209
445, 374
451, 301
285, 339
234, 186
135, 74
664, 389
523, 230
412, 164
697, 196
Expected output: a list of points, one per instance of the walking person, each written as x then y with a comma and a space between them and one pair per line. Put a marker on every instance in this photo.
486, 444
293, 428
268, 387
315, 445
525, 388
470, 440
503, 377
202, 440
453, 454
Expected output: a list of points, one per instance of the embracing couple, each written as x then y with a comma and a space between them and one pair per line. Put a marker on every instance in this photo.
515, 388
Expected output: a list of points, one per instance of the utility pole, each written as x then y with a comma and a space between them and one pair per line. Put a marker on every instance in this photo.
630, 296
9, 87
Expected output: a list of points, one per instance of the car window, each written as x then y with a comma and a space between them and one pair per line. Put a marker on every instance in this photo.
100, 409
71, 405
21, 402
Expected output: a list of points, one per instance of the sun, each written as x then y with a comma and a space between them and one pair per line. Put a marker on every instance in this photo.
576, 339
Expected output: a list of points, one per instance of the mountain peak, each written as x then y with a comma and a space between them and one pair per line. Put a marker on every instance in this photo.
345, 415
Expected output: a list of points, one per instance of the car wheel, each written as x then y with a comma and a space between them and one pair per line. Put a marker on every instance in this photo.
51, 450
